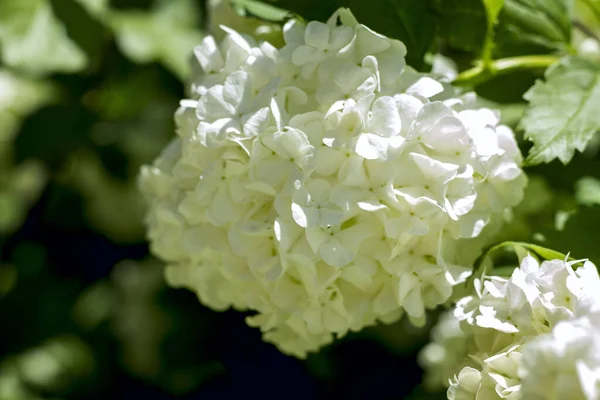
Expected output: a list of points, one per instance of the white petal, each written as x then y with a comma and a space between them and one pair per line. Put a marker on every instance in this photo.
208, 55
433, 168
237, 90
335, 253
425, 87
386, 119
317, 35
371, 147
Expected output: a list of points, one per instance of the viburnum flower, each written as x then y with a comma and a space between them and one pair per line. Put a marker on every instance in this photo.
531, 336
564, 364
325, 185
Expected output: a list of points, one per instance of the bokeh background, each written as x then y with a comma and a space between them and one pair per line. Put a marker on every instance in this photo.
88, 89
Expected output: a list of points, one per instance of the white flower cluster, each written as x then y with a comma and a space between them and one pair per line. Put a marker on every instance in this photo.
324, 185
533, 336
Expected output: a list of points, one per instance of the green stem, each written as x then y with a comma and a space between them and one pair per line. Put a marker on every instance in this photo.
485, 264
540, 251
485, 71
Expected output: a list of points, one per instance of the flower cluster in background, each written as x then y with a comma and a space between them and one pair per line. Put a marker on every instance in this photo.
531, 336
323, 185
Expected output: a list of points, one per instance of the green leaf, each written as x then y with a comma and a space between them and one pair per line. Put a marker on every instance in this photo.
580, 235
563, 112
533, 27
410, 21
462, 23
520, 249
260, 10
168, 34
468, 24
318, 10
548, 254
588, 12
82, 26
21, 96
34, 40
484, 265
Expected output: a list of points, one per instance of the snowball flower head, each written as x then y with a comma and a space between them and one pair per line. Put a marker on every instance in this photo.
324, 185
532, 336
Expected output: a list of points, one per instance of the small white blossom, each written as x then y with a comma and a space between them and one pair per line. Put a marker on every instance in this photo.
534, 335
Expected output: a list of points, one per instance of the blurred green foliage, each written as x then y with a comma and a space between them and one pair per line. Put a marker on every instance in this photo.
88, 89
19, 184
57, 365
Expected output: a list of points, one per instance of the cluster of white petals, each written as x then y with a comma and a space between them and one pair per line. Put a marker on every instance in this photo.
535, 335
324, 185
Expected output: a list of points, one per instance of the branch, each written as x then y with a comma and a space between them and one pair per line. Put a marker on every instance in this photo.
484, 72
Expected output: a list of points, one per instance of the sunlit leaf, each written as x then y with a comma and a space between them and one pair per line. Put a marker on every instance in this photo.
167, 34
258, 9
34, 40
563, 114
